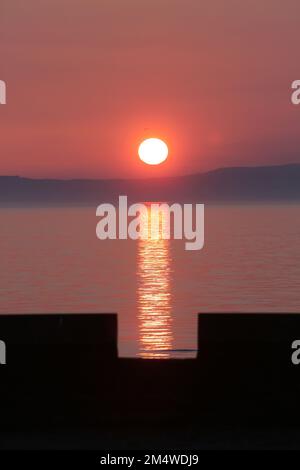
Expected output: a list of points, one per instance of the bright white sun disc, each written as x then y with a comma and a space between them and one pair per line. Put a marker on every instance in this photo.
153, 151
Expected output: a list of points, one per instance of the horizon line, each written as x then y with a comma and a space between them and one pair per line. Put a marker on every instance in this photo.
291, 164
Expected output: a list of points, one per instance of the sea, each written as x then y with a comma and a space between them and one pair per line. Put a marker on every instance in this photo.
52, 262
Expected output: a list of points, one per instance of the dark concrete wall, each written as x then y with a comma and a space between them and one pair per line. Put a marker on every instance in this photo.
65, 369
245, 363
70, 330
259, 340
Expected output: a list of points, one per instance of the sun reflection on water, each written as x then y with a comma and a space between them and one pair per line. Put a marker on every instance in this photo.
154, 289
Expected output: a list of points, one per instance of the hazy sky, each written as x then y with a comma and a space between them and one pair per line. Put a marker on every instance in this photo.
89, 79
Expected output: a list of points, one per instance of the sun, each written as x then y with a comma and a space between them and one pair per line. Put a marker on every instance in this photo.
153, 151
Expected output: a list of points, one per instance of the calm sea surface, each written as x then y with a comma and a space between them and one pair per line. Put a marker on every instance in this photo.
52, 262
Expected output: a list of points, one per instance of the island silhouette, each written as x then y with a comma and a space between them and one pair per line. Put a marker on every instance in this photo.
232, 184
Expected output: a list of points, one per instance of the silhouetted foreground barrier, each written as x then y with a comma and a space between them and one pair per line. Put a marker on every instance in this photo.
248, 345
52, 349
63, 370
247, 361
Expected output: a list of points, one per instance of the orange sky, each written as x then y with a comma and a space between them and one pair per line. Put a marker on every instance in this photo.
87, 80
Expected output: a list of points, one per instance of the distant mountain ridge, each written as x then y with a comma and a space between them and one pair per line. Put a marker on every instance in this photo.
232, 184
